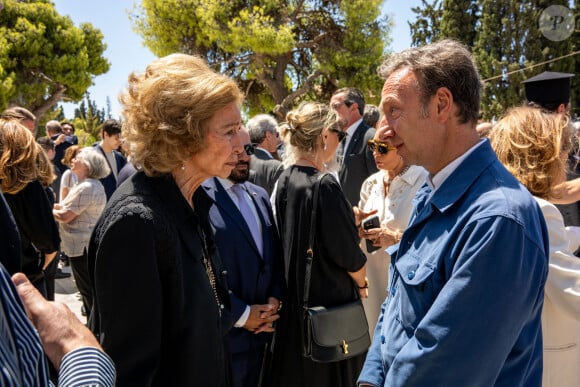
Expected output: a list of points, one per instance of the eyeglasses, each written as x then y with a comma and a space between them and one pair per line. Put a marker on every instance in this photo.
250, 148
382, 147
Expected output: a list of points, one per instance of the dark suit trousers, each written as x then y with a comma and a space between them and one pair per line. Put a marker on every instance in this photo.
80, 271
246, 366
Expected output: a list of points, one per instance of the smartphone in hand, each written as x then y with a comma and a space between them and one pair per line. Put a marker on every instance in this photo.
372, 222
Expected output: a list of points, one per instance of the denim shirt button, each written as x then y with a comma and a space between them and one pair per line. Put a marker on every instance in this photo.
394, 291
383, 339
411, 275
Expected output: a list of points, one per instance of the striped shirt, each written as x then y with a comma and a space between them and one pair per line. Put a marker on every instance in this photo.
22, 358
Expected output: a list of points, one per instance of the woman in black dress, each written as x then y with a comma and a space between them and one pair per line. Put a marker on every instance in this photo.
27, 199
311, 135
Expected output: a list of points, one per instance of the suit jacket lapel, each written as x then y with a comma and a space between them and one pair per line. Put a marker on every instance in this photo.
356, 137
224, 201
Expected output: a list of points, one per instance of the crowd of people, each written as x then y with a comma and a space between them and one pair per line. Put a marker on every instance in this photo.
191, 259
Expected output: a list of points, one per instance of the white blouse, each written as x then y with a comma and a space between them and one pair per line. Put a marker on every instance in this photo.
394, 211
87, 200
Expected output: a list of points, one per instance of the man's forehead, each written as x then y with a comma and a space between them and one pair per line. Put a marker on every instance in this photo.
339, 97
397, 79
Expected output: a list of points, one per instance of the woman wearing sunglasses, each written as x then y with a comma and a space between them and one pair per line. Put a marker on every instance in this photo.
387, 194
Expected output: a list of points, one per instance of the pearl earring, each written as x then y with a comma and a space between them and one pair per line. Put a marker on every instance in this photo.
183, 167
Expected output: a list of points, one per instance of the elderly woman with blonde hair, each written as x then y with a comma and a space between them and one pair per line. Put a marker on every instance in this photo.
78, 213
534, 146
27, 199
161, 301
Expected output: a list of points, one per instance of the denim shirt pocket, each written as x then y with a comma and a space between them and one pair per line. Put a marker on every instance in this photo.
416, 290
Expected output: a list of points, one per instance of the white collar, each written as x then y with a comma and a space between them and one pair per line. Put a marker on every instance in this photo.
351, 129
435, 181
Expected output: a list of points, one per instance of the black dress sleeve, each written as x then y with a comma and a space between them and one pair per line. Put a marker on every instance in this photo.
336, 231
33, 214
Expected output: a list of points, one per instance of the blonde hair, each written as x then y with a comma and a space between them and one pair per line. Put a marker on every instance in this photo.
18, 155
69, 154
533, 146
45, 171
167, 107
302, 131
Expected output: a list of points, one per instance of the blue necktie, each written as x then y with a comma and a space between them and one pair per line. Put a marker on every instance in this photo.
248, 214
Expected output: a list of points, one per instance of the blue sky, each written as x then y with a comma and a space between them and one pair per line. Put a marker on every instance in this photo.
126, 53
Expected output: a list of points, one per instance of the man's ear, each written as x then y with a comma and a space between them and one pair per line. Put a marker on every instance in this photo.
443, 100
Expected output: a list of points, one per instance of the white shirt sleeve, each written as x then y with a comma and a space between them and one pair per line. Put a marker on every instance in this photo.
243, 318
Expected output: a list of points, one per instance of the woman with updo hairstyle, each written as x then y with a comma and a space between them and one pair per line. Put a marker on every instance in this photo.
161, 304
311, 134
28, 201
534, 145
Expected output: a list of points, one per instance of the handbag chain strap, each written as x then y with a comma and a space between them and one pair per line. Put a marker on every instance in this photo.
310, 251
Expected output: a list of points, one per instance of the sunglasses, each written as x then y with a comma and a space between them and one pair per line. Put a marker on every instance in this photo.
382, 147
249, 148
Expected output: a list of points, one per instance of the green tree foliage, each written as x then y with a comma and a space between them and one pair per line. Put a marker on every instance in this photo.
458, 19
426, 27
280, 52
507, 43
44, 58
511, 48
88, 120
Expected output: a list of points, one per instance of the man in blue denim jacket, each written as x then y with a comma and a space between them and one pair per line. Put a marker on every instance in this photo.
467, 278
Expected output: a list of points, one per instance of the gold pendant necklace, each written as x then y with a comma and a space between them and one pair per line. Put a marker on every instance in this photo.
209, 269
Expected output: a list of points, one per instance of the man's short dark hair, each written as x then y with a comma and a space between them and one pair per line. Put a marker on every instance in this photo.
352, 95
65, 122
111, 127
446, 63
371, 115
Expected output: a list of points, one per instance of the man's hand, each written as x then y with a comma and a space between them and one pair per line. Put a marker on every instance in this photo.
261, 318
60, 139
59, 329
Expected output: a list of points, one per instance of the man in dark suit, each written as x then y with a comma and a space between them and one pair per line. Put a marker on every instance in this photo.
249, 246
355, 159
111, 141
265, 169
61, 143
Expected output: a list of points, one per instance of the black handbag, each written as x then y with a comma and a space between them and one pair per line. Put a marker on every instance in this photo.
336, 333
